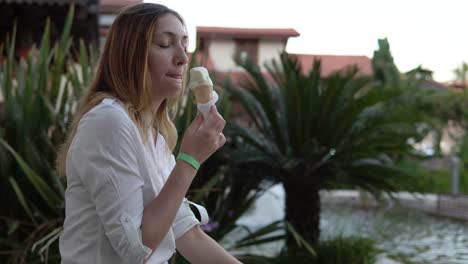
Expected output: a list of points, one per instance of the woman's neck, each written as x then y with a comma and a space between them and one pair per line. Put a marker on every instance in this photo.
156, 105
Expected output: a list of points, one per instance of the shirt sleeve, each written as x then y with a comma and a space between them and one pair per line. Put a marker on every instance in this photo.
185, 220
105, 158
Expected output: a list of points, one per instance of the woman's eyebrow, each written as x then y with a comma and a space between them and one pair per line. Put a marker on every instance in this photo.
172, 34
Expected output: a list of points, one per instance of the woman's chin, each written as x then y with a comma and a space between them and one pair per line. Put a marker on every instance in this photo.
170, 91
176, 91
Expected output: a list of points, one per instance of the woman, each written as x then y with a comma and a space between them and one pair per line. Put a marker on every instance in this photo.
124, 201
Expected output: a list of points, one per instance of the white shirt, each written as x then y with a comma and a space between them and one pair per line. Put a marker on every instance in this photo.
111, 177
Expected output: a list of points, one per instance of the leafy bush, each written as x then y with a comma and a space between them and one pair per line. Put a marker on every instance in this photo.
423, 180
346, 250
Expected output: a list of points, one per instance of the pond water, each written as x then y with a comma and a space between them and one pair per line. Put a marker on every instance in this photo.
408, 236
404, 235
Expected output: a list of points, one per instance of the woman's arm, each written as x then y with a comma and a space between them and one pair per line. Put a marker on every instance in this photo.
159, 214
201, 140
199, 248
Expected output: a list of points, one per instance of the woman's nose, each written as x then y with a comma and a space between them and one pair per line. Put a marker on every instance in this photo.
181, 57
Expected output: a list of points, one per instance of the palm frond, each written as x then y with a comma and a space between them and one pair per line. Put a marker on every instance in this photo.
301, 120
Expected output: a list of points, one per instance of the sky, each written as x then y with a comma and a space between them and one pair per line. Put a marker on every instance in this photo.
430, 33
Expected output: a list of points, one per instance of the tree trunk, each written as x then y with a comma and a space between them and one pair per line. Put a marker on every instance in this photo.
302, 212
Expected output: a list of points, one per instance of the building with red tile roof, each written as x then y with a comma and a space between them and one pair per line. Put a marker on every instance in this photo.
222, 47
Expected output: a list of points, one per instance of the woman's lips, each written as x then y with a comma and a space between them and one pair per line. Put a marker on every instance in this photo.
176, 79
175, 76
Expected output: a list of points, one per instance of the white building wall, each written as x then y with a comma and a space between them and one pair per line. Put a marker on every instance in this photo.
268, 50
222, 53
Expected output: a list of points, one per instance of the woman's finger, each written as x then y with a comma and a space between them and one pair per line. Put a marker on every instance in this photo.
219, 126
213, 109
216, 121
197, 122
222, 139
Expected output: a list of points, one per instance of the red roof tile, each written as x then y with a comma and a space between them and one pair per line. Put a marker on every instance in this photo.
247, 32
333, 63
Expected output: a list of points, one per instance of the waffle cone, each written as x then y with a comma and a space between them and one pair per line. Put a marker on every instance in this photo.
203, 93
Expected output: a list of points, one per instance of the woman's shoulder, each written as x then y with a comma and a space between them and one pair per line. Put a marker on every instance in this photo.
105, 128
109, 115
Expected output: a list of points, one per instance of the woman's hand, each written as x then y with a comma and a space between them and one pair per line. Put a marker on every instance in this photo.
204, 137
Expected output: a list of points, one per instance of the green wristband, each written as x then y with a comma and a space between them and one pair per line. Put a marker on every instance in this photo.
189, 159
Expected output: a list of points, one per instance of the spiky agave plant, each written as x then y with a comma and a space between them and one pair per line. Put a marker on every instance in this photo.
40, 93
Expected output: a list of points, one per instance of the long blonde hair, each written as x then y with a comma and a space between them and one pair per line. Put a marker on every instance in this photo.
123, 73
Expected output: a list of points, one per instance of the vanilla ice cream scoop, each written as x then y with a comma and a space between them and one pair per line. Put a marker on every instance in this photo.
201, 85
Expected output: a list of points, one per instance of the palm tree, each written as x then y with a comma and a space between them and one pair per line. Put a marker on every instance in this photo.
310, 133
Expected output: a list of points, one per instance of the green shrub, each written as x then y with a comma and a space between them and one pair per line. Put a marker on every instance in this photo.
423, 180
352, 250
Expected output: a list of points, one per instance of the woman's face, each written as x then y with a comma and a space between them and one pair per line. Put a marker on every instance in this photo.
168, 57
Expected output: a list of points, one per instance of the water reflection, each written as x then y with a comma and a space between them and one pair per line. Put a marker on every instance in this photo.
404, 235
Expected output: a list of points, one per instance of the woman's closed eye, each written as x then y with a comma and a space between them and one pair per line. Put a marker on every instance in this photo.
167, 46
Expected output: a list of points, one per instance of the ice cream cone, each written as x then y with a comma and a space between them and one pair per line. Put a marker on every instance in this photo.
201, 85
203, 93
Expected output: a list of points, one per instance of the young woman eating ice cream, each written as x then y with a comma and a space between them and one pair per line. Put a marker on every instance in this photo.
125, 198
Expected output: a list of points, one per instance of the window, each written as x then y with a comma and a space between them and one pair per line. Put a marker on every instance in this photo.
201, 45
246, 50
